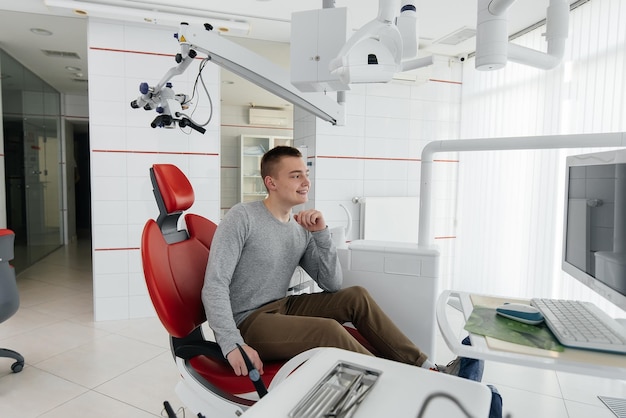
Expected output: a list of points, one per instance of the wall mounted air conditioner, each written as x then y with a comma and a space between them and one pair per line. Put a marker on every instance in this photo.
268, 117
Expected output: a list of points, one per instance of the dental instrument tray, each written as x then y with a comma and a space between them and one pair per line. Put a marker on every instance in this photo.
338, 394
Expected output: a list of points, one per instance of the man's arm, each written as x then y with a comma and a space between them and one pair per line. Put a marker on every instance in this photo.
223, 258
320, 258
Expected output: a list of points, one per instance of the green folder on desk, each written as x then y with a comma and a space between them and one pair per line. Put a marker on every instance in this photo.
485, 321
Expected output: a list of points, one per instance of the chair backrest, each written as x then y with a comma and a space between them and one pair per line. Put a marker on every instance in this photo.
174, 260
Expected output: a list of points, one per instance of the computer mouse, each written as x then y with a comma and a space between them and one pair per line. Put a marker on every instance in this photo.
520, 312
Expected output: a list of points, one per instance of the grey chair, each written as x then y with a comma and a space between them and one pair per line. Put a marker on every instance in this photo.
9, 297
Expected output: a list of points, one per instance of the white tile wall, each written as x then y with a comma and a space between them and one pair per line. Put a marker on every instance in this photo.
124, 147
377, 152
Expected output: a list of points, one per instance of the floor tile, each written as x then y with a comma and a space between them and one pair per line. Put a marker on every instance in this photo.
96, 405
583, 410
585, 389
100, 360
24, 320
50, 340
529, 379
517, 403
159, 374
66, 307
32, 392
148, 330
35, 292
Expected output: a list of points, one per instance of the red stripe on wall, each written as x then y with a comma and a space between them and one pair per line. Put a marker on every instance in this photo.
128, 51
378, 158
367, 158
211, 154
444, 81
255, 126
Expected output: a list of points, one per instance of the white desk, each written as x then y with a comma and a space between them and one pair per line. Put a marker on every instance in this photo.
399, 391
486, 348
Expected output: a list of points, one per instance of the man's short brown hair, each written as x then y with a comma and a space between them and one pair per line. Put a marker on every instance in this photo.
272, 157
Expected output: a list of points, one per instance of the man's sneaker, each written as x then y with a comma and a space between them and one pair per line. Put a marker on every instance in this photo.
451, 368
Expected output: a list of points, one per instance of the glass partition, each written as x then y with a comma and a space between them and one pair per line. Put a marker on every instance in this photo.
32, 148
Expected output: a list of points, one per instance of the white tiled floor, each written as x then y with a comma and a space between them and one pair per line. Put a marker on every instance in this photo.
76, 367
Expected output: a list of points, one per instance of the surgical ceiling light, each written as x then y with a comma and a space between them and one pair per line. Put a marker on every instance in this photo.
381, 48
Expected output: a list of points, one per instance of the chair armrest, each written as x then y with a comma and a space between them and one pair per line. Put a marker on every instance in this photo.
199, 348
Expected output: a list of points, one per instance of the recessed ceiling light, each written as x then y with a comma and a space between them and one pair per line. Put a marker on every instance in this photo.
70, 68
42, 32
228, 82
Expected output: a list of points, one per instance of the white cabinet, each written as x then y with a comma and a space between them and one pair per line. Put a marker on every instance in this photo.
252, 149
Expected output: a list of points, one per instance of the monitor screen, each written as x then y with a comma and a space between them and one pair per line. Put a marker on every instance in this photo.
594, 242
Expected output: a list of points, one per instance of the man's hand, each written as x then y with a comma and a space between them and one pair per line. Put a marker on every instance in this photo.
239, 365
312, 220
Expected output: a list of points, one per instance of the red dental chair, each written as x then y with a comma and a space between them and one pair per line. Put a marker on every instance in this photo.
174, 262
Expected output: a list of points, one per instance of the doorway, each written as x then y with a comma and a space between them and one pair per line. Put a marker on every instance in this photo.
82, 184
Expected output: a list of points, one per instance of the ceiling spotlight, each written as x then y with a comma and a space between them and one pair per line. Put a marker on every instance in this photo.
41, 32
70, 68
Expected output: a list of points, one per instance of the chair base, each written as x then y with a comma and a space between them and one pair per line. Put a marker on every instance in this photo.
19, 364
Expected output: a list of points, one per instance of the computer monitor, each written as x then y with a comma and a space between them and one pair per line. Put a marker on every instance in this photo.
594, 241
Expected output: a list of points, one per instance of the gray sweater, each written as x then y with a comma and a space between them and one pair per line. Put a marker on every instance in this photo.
252, 259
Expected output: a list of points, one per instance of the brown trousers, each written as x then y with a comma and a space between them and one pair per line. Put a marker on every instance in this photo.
289, 326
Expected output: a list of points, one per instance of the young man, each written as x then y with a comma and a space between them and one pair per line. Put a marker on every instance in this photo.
254, 253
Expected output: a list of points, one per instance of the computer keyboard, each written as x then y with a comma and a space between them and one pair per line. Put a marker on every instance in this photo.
582, 325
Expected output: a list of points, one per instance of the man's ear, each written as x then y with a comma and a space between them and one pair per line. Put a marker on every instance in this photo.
269, 183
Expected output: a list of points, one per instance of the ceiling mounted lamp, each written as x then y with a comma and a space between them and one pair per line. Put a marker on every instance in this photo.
163, 15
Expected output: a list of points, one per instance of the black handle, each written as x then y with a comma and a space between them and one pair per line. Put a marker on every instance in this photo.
253, 374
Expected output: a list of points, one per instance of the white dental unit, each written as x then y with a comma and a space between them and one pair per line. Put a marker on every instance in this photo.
402, 278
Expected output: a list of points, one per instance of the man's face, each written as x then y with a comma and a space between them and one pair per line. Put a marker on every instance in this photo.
291, 181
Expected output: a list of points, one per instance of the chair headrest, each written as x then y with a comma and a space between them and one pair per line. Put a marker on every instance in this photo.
174, 187
173, 194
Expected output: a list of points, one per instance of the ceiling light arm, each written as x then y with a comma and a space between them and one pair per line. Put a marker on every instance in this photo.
196, 39
493, 49
260, 71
